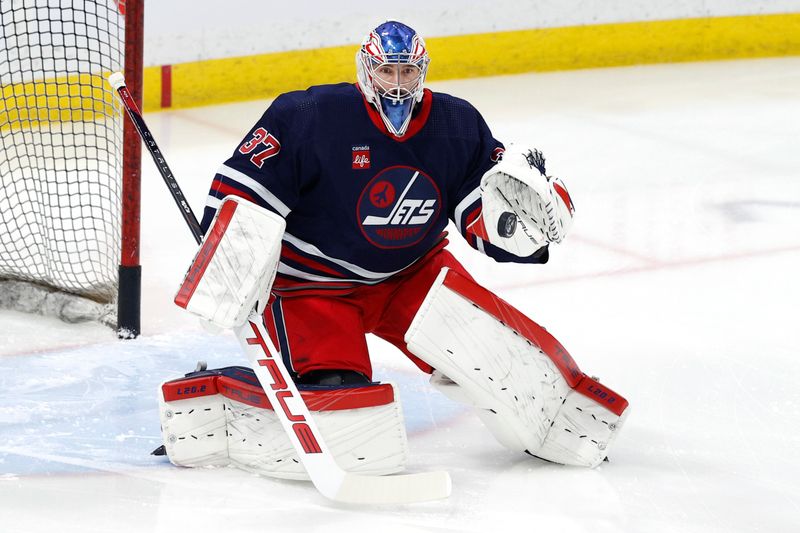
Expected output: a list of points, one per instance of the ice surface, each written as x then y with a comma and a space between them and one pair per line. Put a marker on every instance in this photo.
678, 287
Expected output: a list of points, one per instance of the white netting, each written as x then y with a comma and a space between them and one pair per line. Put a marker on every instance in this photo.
60, 144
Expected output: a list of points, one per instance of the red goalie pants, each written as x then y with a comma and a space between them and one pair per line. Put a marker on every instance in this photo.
329, 332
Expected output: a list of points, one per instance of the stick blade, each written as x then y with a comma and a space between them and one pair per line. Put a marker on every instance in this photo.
409, 488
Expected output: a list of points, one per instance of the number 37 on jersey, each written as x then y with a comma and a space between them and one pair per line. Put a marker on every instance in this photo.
260, 138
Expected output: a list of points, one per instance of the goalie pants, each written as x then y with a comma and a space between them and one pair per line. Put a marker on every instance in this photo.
316, 332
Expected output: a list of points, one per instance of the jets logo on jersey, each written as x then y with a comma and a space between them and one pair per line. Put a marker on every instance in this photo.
382, 194
398, 207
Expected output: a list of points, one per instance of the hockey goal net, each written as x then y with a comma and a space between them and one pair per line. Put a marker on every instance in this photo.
62, 152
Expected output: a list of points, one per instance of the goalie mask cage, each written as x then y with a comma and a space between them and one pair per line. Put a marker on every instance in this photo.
69, 162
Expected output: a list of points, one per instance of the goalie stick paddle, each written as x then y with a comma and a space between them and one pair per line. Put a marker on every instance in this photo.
326, 475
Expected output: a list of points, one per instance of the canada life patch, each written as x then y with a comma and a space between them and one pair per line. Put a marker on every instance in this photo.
398, 207
361, 157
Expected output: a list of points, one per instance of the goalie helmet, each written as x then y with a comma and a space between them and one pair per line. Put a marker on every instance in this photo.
391, 65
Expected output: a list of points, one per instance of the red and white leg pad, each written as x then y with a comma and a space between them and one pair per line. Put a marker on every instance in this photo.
222, 417
528, 389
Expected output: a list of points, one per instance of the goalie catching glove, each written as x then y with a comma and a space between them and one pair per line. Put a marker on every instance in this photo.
235, 265
523, 208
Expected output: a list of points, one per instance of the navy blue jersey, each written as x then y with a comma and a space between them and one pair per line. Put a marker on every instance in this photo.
360, 204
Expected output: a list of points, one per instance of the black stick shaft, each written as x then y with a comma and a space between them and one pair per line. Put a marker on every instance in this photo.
161, 162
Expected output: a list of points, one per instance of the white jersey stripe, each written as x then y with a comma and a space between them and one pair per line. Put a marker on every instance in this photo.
310, 249
256, 187
289, 271
213, 202
468, 200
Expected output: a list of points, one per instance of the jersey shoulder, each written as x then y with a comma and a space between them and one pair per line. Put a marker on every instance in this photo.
454, 117
303, 110
453, 103
314, 98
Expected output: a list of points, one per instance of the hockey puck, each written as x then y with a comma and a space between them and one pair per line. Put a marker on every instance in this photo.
507, 224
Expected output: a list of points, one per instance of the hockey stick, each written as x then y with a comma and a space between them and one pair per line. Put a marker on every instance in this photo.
281, 391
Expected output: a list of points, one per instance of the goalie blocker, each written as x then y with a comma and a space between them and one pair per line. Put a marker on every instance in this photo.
528, 390
235, 264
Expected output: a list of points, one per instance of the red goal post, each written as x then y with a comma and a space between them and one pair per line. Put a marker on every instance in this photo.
130, 271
